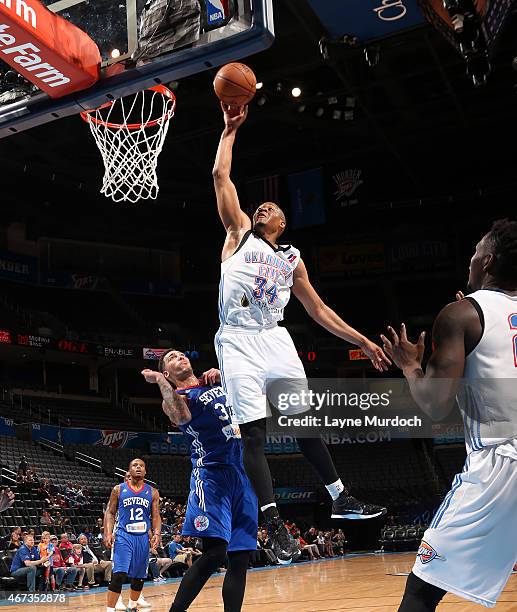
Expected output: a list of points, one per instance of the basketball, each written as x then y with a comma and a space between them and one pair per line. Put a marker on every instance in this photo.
235, 84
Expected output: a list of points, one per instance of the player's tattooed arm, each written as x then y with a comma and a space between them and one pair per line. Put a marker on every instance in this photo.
331, 321
174, 405
109, 516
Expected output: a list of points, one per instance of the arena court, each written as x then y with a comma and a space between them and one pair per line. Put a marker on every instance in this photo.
320, 586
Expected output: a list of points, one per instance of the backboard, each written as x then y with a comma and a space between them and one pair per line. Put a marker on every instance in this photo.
142, 43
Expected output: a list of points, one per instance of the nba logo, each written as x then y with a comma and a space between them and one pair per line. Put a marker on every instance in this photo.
217, 13
201, 522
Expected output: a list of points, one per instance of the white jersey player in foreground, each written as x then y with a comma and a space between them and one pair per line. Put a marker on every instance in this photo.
470, 547
257, 276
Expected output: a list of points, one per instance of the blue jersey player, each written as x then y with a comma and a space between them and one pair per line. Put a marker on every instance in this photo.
222, 507
137, 507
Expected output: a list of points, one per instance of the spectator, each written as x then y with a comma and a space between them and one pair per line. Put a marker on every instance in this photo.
76, 560
46, 519
65, 546
177, 552
27, 562
98, 530
86, 531
320, 541
339, 542
311, 549
46, 549
92, 562
60, 569
7, 498
190, 546
158, 564
15, 540
23, 465
263, 543
311, 536
329, 548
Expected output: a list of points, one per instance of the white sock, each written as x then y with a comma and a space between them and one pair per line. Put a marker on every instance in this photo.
273, 505
335, 489
110, 609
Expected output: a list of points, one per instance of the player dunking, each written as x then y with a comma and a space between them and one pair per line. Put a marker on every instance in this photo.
469, 548
257, 276
222, 508
138, 508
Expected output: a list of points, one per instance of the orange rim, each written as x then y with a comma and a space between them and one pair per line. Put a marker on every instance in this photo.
165, 91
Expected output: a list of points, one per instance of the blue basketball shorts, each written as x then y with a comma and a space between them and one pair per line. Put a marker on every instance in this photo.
131, 554
222, 504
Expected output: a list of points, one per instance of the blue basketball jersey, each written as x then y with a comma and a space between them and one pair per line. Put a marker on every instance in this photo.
215, 440
134, 509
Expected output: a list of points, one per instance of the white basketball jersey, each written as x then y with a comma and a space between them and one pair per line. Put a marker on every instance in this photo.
488, 400
256, 283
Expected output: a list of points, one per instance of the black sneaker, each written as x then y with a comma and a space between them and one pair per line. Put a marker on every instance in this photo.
282, 542
348, 507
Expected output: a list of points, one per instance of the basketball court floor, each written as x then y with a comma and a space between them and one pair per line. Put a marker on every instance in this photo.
366, 583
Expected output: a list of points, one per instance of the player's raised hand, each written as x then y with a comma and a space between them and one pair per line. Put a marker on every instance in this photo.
151, 376
459, 296
108, 540
6, 499
404, 353
234, 116
211, 377
376, 355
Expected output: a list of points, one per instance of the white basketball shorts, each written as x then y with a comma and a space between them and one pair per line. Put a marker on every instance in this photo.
248, 360
470, 547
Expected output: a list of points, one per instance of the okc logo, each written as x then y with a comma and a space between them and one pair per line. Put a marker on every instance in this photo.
115, 439
426, 553
347, 182
201, 522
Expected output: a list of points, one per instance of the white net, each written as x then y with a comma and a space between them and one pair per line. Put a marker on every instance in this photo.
130, 133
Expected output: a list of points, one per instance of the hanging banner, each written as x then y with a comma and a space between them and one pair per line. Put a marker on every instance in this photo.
307, 198
18, 267
367, 19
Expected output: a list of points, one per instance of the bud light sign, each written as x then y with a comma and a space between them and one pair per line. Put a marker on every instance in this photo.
294, 495
367, 19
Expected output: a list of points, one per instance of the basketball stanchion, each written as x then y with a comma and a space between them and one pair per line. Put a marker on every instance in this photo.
130, 133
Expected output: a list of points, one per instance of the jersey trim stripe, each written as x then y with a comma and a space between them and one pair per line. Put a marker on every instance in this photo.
197, 445
199, 488
448, 498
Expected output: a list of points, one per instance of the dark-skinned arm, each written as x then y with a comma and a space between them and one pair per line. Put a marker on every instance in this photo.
109, 516
435, 390
230, 212
331, 321
156, 519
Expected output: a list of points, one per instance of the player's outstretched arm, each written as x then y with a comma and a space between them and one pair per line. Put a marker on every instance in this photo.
174, 406
156, 519
435, 390
327, 318
235, 221
109, 516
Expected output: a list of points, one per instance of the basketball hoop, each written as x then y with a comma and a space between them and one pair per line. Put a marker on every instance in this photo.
130, 133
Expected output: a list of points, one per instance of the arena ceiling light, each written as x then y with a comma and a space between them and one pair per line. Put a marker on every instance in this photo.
296, 92
259, 85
